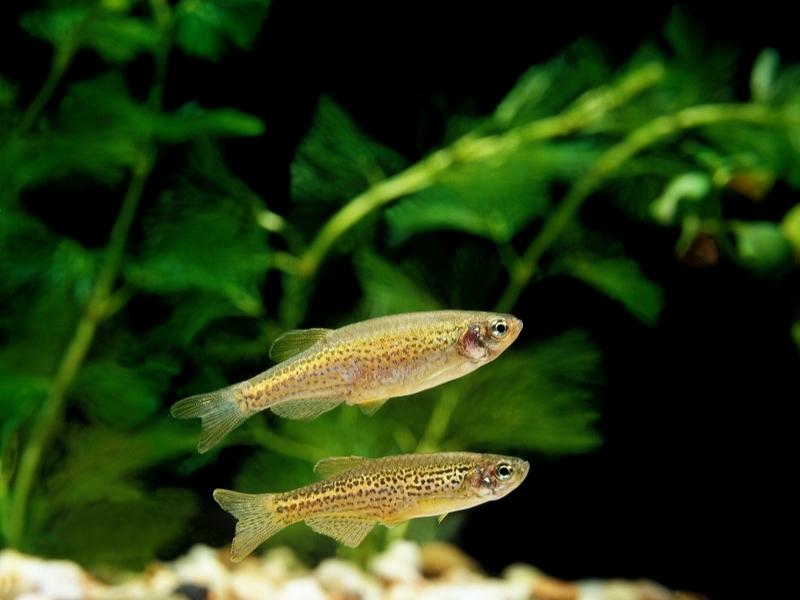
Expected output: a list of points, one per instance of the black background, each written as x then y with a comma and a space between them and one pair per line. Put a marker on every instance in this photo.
689, 483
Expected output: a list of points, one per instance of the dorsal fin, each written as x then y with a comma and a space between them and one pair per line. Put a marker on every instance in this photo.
329, 467
294, 342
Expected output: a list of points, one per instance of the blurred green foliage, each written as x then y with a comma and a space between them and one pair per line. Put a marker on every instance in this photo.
86, 379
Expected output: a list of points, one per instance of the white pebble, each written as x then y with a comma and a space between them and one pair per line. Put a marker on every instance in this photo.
341, 577
249, 584
202, 566
52, 579
401, 562
303, 588
486, 590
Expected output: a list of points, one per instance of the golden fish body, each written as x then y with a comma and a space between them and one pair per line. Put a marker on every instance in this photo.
364, 363
360, 493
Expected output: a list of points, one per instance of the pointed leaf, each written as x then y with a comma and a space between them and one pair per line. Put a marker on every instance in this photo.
622, 280
205, 27
119, 395
493, 198
194, 242
100, 460
390, 288
192, 121
117, 37
125, 533
336, 160
538, 399
546, 89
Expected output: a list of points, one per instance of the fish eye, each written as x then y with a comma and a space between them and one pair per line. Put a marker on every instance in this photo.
499, 328
503, 471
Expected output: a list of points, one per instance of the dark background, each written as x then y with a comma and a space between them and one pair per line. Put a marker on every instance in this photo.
695, 412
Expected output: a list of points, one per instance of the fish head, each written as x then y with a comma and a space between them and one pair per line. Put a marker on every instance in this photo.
488, 336
495, 476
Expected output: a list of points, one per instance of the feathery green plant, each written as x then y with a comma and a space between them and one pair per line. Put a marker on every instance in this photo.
97, 342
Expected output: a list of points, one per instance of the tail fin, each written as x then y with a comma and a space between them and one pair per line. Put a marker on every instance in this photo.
219, 411
256, 520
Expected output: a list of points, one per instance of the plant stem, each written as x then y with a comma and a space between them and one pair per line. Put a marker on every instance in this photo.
49, 417
588, 109
102, 300
284, 446
438, 422
61, 61
638, 140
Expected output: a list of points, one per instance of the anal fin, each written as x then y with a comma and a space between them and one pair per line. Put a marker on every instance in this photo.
305, 408
349, 531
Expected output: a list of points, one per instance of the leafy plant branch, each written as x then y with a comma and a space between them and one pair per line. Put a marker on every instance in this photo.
587, 110
102, 299
650, 134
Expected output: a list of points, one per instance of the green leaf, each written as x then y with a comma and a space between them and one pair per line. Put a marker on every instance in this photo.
58, 25
192, 121
104, 463
205, 27
389, 289
761, 247
790, 228
39, 159
45, 311
30, 244
546, 89
20, 395
796, 333
8, 95
763, 76
265, 471
100, 132
194, 242
117, 37
125, 533
120, 395
687, 186
336, 160
535, 399
622, 280
493, 198
192, 312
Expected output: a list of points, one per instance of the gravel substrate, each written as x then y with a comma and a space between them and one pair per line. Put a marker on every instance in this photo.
405, 571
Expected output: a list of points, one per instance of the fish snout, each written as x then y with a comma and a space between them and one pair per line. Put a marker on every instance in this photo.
524, 467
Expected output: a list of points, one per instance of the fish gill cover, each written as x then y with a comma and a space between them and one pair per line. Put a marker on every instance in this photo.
181, 274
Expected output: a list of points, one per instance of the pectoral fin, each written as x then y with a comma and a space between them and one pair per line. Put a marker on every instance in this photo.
328, 467
350, 532
304, 409
294, 342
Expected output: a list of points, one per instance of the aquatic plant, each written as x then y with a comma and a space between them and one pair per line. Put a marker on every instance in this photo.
186, 274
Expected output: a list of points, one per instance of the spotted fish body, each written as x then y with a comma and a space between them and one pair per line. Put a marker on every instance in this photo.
361, 364
359, 493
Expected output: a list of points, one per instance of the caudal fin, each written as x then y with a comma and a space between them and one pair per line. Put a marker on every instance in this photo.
219, 411
255, 520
